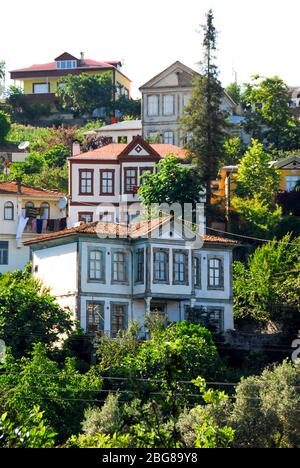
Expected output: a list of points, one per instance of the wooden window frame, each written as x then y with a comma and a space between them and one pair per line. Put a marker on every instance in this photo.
85, 213
222, 282
197, 278
86, 194
9, 205
113, 172
148, 106
185, 281
4, 247
124, 282
163, 105
42, 83
126, 169
102, 280
88, 325
167, 266
125, 306
140, 275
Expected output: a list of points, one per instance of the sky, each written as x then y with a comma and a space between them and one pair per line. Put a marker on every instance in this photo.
255, 36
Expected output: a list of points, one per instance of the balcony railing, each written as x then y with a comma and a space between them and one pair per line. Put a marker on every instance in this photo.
45, 226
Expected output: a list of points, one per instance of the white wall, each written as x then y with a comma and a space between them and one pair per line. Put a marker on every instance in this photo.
17, 257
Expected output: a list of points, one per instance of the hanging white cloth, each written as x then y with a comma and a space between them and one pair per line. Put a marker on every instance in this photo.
20, 229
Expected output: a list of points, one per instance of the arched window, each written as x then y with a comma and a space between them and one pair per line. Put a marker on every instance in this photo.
45, 211
9, 211
29, 207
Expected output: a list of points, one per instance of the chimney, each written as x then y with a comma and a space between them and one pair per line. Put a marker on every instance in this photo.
19, 184
82, 58
76, 150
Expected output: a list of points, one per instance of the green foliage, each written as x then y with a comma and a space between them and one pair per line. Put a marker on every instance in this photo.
4, 126
257, 217
62, 393
84, 93
34, 433
171, 183
234, 149
129, 107
28, 314
269, 115
203, 117
255, 176
57, 156
107, 420
266, 412
234, 90
258, 284
24, 110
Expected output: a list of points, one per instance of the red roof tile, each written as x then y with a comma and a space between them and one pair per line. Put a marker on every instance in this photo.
120, 230
88, 63
113, 151
11, 188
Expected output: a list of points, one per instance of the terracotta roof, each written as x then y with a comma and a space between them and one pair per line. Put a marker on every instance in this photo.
134, 231
11, 188
88, 63
113, 151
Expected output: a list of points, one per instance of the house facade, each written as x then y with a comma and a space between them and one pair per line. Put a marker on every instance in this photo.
164, 99
26, 213
288, 169
109, 275
105, 180
41, 81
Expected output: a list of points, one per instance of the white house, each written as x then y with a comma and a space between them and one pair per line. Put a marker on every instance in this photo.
164, 98
110, 274
25, 213
121, 132
104, 181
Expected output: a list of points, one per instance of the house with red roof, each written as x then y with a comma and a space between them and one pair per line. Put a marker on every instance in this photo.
104, 182
41, 81
26, 213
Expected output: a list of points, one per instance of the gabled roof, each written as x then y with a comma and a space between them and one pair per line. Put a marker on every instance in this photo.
291, 162
115, 151
133, 231
65, 56
11, 188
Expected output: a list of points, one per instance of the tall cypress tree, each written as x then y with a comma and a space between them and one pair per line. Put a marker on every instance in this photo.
204, 119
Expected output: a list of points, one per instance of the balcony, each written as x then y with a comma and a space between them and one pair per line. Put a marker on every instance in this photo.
45, 226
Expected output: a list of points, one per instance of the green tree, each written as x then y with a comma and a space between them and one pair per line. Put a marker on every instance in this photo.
266, 411
256, 176
269, 117
234, 150
4, 126
84, 93
28, 314
129, 107
32, 433
234, 90
57, 156
204, 119
172, 182
62, 393
258, 284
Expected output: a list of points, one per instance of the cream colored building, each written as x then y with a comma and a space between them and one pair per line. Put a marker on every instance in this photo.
16, 202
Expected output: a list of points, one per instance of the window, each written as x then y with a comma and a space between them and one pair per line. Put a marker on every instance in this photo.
3, 253
96, 265
186, 99
168, 105
209, 317
180, 267
66, 64
144, 170
168, 138
95, 317
119, 319
140, 262
119, 267
41, 88
86, 182
215, 273
45, 211
152, 105
197, 271
85, 217
130, 180
30, 210
161, 266
107, 217
291, 182
107, 182
9, 211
